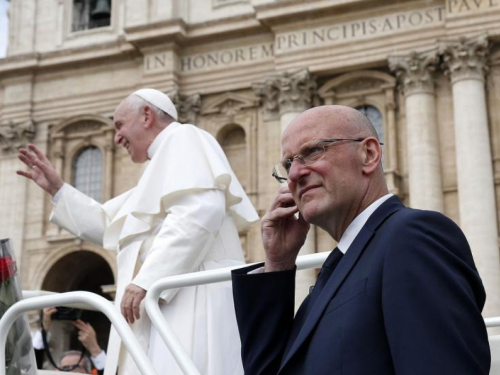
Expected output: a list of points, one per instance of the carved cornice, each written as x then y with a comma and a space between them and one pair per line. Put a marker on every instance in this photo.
229, 104
69, 57
415, 71
286, 92
16, 135
187, 106
76, 126
465, 58
86, 126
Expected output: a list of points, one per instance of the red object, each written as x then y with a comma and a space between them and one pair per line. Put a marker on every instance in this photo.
7, 268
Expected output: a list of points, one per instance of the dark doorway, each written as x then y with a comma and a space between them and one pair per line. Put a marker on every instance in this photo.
81, 271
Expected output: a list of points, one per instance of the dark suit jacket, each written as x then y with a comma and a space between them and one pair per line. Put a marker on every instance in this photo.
406, 298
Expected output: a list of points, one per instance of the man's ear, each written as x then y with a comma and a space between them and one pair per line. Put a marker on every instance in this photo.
148, 117
371, 155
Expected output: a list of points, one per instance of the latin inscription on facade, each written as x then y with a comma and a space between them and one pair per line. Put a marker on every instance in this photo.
156, 62
466, 6
359, 29
325, 35
224, 58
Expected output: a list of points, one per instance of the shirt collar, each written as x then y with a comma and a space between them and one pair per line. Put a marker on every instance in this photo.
160, 137
353, 229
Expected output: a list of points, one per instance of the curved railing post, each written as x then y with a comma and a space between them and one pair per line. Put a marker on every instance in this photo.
87, 298
191, 279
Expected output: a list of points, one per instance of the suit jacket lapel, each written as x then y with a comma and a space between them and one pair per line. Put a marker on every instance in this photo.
350, 258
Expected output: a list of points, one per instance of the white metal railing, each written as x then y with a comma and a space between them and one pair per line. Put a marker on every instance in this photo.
492, 322
197, 278
40, 293
41, 299
79, 298
210, 277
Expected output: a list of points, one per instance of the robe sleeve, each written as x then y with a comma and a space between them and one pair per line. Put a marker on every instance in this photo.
79, 214
186, 236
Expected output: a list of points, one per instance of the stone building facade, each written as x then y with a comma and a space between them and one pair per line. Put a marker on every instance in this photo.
427, 72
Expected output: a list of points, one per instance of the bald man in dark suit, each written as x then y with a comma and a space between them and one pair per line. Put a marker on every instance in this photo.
399, 295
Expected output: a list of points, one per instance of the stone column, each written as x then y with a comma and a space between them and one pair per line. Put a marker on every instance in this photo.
58, 151
289, 94
465, 62
109, 151
424, 169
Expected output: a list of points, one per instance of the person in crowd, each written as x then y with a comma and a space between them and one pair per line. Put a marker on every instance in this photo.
400, 294
72, 361
86, 335
183, 216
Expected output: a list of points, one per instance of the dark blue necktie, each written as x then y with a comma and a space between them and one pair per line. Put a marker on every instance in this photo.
326, 271
324, 274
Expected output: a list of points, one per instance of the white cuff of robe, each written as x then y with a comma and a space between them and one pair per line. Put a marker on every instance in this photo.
38, 340
255, 271
57, 195
99, 360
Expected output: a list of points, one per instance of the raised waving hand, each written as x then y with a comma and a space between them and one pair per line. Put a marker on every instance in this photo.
41, 171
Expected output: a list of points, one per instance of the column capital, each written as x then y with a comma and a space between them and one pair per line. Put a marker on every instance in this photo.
187, 106
415, 71
465, 58
16, 135
286, 92
296, 91
268, 93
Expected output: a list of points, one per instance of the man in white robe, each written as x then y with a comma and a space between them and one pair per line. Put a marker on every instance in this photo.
183, 216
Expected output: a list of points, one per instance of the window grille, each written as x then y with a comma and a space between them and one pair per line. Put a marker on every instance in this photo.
87, 172
375, 118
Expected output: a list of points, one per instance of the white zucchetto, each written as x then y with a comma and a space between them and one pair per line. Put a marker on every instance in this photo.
158, 99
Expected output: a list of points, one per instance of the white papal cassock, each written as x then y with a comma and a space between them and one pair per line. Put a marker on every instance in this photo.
183, 216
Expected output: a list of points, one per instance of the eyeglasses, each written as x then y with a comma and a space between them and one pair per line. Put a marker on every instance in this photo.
309, 156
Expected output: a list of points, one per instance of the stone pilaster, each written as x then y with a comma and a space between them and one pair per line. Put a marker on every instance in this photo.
289, 94
465, 63
109, 152
14, 135
415, 73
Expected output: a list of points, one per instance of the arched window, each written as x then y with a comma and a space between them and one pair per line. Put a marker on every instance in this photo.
87, 172
375, 117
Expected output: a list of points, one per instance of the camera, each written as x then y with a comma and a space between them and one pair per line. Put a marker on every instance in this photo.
66, 313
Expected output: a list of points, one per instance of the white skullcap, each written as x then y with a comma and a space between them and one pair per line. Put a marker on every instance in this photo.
158, 99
